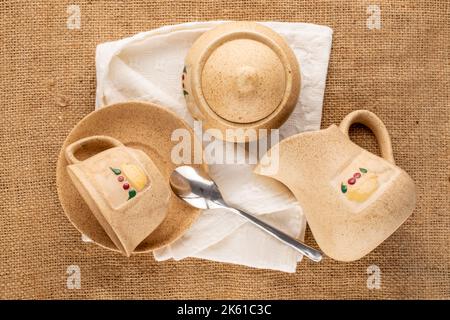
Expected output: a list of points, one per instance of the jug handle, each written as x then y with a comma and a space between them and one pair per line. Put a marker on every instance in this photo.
371, 121
72, 148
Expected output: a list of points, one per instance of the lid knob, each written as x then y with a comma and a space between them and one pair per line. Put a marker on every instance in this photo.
246, 80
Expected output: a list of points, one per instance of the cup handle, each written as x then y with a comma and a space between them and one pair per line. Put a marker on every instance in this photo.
371, 121
72, 148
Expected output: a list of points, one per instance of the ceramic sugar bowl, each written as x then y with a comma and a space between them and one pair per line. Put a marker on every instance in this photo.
241, 75
122, 187
353, 200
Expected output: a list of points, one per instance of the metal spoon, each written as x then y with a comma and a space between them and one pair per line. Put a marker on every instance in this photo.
197, 189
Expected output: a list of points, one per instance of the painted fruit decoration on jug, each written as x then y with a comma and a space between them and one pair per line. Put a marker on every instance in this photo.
132, 177
360, 186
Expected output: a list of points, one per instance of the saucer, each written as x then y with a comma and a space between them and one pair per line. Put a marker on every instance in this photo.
142, 126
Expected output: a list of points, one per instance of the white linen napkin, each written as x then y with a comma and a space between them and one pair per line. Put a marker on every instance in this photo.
148, 66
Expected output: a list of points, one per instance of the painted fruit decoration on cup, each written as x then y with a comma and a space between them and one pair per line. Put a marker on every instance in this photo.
132, 177
360, 186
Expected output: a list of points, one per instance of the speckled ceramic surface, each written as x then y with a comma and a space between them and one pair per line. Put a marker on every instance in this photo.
353, 200
123, 188
146, 128
241, 75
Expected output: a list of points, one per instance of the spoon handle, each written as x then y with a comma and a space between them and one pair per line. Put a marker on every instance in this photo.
311, 253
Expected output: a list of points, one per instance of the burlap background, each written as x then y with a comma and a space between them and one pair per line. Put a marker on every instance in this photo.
401, 72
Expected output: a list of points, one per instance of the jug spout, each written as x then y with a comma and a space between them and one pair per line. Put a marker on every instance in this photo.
294, 160
275, 166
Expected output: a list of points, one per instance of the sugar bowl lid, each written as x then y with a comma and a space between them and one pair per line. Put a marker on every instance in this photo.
241, 75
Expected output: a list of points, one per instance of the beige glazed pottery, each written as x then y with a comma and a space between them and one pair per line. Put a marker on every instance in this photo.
147, 129
353, 200
123, 188
241, 75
